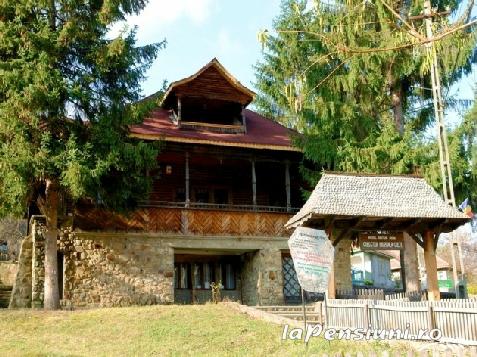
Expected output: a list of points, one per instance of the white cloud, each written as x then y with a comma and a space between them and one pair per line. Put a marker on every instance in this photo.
159, 14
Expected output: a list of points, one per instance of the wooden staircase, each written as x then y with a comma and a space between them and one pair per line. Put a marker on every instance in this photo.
295, 312
5, 293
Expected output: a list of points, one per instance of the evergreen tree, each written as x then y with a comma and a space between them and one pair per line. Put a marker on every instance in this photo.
352, 76
67, 95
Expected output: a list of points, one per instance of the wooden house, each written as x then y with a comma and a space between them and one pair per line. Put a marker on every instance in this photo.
227, 182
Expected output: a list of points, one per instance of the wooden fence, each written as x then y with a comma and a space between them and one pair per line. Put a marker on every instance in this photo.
456, 319
381, 294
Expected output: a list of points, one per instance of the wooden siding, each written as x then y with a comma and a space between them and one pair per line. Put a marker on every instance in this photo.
184, 221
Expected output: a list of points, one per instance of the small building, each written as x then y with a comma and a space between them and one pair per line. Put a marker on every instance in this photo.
445, 278
227, 182
372, 269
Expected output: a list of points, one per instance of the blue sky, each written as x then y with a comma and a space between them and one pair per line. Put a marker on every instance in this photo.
199, 30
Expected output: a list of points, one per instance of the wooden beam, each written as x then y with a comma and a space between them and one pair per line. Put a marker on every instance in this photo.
347, 230
384, 222
417, 240
415, 223
431, 266
187, 180
254, 184
287, 184
329, 227
179, 109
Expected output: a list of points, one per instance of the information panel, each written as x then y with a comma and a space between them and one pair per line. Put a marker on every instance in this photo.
312, 254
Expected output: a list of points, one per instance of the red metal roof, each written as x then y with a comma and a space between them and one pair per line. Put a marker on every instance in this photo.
262, 133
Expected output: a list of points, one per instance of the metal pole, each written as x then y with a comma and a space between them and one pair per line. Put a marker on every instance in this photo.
304, 310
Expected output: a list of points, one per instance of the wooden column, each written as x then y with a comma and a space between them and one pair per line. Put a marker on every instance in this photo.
403, 270
254, 184
179, 108
431, 266
187, 188
331, 284
287, 184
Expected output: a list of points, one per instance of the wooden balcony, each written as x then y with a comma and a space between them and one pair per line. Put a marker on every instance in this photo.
193, 219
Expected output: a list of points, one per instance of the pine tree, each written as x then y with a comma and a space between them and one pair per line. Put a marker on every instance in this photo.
352, 77
67, 95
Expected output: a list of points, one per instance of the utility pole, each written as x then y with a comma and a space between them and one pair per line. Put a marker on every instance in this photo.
446, 171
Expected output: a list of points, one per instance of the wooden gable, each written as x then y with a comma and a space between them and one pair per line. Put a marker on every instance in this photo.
214, 82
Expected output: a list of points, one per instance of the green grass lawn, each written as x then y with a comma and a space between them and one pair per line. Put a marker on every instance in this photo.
212, 330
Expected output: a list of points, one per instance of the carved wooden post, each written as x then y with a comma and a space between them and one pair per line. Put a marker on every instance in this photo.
254, 184
431, 266
287, 184
187, 180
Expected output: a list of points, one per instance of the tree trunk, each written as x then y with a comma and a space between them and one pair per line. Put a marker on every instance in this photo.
396, 98
52, 298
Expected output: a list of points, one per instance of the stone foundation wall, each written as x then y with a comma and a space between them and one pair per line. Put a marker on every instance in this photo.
21, 293
116, 271
8, 273
262, 278
38, 261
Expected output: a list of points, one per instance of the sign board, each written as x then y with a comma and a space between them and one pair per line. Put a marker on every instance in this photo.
381, 240
312, 254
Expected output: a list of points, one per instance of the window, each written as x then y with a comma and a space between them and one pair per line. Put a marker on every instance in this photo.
208, 275
228, 276
200, 275
197, 276
182, 273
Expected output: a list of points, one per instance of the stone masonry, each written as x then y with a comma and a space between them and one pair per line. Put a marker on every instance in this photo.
38, 261
116, 271
21, 293
262, 278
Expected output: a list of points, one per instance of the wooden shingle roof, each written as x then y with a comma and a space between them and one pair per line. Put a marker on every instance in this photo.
406, 199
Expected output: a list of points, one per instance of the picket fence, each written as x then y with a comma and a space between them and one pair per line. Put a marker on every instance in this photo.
456, 319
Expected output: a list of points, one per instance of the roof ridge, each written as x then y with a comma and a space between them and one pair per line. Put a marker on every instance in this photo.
370, 174
271, 120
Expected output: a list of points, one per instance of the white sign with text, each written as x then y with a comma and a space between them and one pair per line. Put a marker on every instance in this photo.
312, 254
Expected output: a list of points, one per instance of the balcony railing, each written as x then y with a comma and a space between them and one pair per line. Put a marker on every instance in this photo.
197, 219
217, 206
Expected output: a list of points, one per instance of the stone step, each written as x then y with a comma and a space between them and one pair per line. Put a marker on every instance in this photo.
296, 313
5, 297
284, 308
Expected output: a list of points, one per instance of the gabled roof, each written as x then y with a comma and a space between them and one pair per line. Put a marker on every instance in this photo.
395, 263
243, 94
262, 133
384, 196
